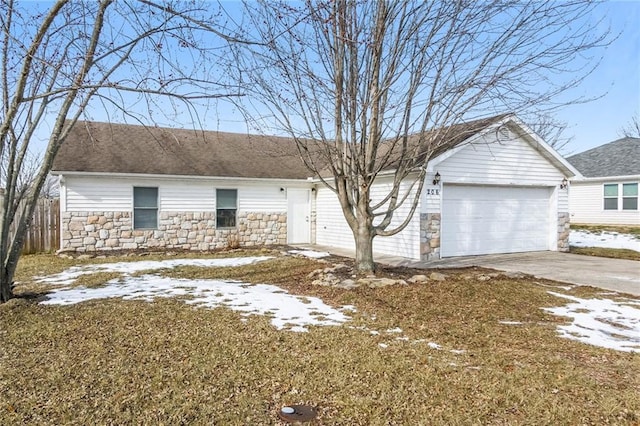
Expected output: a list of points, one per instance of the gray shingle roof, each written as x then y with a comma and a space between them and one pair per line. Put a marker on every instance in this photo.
617, 158
123, 148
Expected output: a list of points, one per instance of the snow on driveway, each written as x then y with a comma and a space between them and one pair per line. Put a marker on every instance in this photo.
287, 311
604, 239
601, 322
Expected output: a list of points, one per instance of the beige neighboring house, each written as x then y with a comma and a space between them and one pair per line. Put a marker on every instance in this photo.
499, 189
607, 192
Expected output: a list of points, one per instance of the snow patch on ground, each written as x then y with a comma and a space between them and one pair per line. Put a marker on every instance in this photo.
310, 253
603, 239
510, 322
70, 275
600, 322
287, 311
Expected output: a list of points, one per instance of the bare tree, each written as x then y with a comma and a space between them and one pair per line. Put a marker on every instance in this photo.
632, 129
61, 61
551, 130
359, 83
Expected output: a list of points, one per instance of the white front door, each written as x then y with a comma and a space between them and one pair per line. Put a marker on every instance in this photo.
298, 216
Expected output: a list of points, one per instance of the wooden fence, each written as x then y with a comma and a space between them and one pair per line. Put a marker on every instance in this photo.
43, 234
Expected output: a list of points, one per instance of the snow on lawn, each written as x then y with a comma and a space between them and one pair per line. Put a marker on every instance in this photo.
286, 311
604, 239
70, 275
600, 322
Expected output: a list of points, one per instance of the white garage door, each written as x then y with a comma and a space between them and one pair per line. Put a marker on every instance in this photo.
494, 219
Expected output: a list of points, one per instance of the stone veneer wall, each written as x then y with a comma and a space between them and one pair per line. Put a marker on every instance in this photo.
563, 231
429, 236
94, 231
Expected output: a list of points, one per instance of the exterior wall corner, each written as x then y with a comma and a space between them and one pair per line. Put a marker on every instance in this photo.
429, 236
564, 228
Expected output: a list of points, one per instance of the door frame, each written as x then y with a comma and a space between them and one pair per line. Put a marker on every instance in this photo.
305, 216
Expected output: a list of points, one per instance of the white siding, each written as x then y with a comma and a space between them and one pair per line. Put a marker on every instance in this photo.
97, 194
116, 194
181, 196
587, 205
513, 162
262, 199
332, 228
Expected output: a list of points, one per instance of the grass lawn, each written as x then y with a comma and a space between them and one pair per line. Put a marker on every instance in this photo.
607, 252
475, 348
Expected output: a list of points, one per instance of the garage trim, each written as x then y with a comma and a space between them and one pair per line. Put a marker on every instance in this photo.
491, 219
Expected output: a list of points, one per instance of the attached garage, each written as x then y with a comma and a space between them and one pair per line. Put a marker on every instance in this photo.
482, 219
500, 190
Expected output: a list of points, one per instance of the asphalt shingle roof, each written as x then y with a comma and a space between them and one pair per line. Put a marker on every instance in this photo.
617, 158
123, 148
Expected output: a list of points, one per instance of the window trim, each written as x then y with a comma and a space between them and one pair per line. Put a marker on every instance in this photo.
606, 197
235, 210
620, 196
134, 208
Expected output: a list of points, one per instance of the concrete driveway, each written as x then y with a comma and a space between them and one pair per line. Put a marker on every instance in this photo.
610, 274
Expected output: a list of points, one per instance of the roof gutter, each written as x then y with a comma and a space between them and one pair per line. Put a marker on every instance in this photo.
183, 177
607, 178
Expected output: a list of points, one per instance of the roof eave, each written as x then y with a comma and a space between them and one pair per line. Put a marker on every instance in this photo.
173, 177
607, 178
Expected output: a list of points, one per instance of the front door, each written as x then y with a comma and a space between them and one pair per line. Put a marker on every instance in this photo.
298, 212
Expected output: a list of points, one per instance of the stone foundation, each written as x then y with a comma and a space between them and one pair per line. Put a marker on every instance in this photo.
94, 231
563, 231
430, 236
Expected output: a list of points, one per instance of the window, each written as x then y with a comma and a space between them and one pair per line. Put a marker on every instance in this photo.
145, 208
625, 197
611, 196
226, 207
629, 196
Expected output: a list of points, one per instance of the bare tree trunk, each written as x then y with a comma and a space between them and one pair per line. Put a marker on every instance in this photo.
364, 249
6, 292
5, 286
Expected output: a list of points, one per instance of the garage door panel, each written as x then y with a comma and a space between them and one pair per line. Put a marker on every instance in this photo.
494, 219
498, 208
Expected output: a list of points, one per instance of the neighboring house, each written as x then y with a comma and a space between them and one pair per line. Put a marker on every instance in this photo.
501, 189
608, 191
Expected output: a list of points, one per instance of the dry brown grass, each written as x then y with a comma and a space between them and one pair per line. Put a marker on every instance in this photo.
607, 252
132, 362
